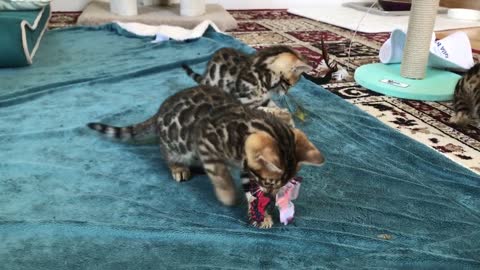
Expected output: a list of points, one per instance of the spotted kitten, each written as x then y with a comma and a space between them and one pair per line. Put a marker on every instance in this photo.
466, 98
252, 78
206, 127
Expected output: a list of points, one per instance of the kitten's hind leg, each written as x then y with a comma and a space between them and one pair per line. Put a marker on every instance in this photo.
180, 172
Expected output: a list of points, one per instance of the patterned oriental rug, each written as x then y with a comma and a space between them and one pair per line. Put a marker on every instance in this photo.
426, 122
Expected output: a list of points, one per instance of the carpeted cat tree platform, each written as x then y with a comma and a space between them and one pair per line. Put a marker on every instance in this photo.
97, 13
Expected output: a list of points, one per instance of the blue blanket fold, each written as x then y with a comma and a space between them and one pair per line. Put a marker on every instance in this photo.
21, 33
70, 199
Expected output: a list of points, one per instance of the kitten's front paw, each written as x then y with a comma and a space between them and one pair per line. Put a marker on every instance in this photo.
267, 222
226, 196
282, 114
180, 173
286, 117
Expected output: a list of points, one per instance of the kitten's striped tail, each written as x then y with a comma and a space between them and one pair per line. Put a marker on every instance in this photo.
195, 76
139, 132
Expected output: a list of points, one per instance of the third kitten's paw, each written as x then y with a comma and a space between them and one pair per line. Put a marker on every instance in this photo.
459, 119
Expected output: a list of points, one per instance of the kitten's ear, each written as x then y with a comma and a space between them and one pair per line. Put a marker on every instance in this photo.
262, 152
305, 151
301, 67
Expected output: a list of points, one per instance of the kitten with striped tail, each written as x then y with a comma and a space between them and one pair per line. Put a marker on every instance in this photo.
466, 98
204, 126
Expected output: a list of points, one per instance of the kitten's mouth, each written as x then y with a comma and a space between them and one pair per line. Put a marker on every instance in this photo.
270, 190
281, 87
286, 85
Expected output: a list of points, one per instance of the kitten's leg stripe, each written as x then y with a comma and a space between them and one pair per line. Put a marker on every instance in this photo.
245, 180
209, 146
213, 72
203, 150
212, 160
244, 175
476, 111
209, 171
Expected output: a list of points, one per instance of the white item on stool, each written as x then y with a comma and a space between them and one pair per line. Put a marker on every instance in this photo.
453, 52
192, 8
124, 7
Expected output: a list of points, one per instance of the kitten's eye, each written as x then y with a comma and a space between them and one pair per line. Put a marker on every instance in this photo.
285, 85
277, 85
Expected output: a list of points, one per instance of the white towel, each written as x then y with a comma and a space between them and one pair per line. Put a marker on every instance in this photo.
161, 32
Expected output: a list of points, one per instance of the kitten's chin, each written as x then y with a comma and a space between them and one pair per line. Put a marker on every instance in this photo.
270, 191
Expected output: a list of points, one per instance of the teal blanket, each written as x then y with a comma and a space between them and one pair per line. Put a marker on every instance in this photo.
72, 200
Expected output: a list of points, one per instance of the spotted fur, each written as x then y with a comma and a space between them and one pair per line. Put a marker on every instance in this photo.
466, 102
206, 127
253, 78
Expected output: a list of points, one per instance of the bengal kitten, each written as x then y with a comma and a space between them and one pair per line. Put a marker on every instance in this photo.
253, 78
466, 98
206, 127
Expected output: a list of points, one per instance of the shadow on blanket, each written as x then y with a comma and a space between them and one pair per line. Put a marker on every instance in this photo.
69, 199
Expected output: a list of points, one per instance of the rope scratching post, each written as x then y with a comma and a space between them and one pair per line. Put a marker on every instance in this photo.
419, 36
412, 79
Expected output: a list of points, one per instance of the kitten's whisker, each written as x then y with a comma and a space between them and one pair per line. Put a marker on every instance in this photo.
257, 191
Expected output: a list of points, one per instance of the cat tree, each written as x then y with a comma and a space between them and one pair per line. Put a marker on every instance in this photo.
412, 79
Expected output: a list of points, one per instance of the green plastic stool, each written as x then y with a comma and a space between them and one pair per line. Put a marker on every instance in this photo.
438, 85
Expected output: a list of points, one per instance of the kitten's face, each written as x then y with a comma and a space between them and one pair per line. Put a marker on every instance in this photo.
280, 85
288, 68
269, 183
267, 167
